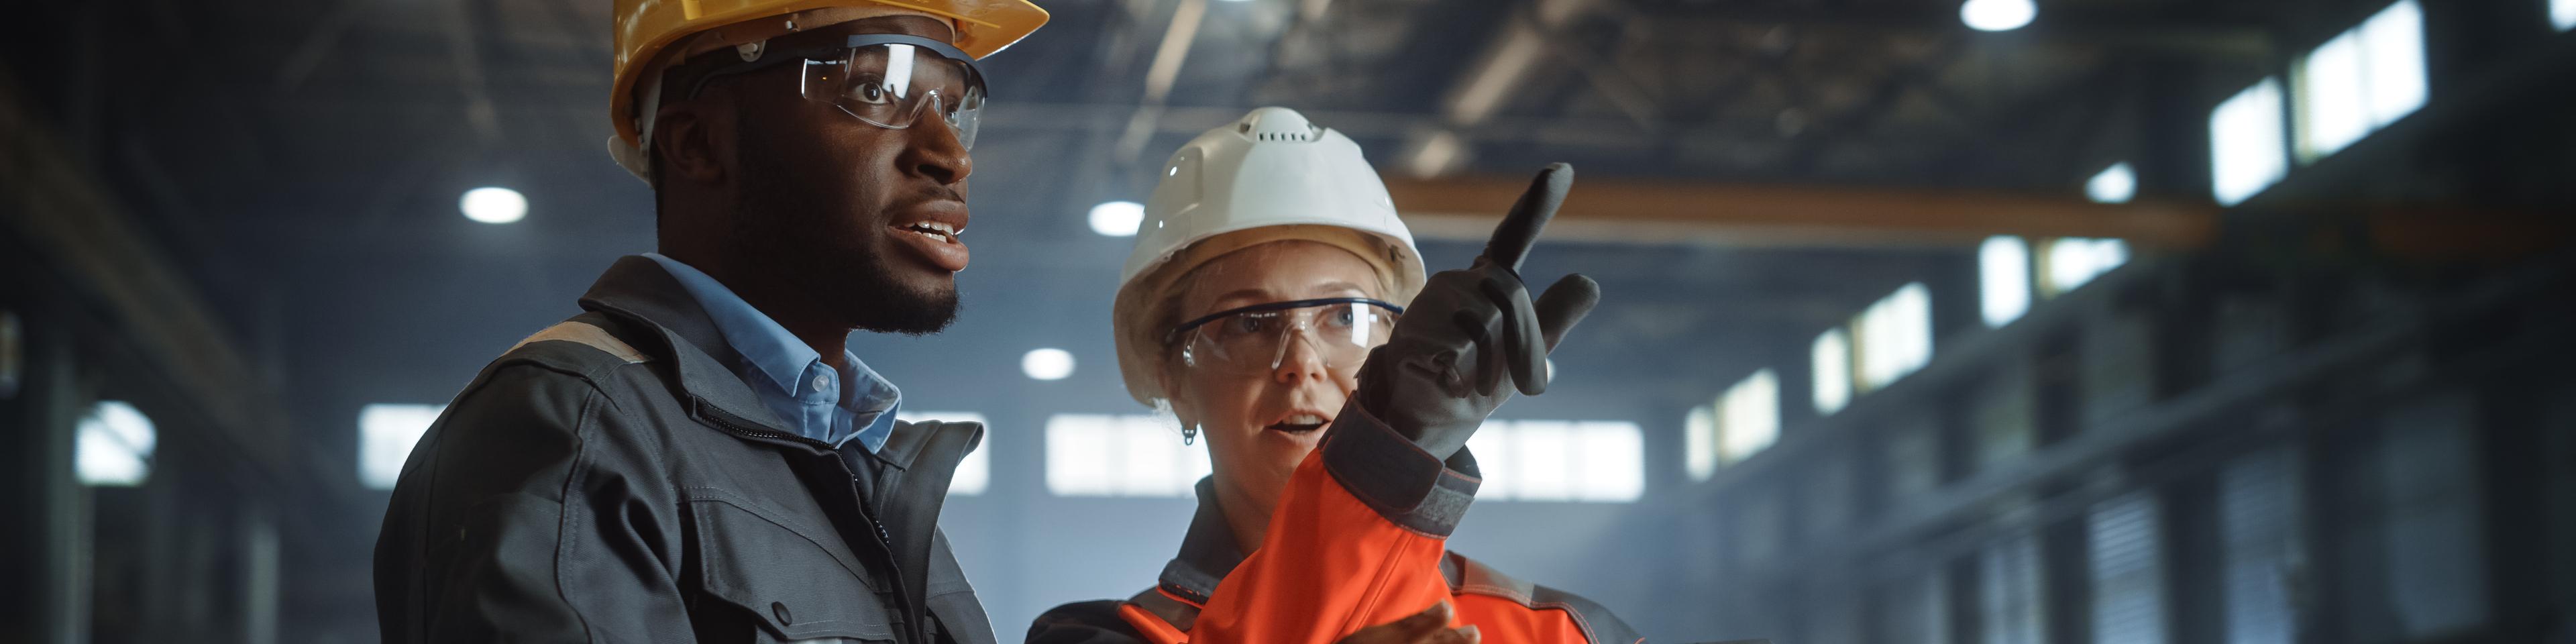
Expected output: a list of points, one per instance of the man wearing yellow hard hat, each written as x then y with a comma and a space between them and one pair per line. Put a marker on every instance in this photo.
698, 457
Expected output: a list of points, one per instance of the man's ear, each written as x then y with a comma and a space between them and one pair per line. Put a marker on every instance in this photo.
693, 145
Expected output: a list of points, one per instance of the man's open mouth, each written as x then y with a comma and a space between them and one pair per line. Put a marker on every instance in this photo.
935, 230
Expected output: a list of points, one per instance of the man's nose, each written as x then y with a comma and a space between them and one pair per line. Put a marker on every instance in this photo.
935, 150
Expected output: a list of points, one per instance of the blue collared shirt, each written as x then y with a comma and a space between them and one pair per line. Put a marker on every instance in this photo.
812, 398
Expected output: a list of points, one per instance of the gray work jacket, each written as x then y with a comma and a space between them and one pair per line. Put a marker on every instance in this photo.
608, 480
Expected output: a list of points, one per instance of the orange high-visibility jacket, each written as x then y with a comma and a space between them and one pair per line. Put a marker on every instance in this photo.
1358, 540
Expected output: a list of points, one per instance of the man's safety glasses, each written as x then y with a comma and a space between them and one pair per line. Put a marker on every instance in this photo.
1254, 339
887, 80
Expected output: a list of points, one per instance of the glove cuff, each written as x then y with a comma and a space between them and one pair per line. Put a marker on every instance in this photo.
1395, 477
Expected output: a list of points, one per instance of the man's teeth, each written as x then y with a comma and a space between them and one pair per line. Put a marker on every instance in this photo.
1303, 419
933, 230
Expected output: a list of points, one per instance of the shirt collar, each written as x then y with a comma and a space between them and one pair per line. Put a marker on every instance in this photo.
784, 361
761, 341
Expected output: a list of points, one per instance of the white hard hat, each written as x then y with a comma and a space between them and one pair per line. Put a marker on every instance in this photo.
1270, 176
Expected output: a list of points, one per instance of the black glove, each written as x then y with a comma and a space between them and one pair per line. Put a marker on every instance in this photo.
1442, 369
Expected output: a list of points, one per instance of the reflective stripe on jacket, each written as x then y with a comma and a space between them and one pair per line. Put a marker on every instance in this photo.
1358, 540
608, 480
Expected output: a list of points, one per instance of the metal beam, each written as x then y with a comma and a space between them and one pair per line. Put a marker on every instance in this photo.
1489, 80
1625, 210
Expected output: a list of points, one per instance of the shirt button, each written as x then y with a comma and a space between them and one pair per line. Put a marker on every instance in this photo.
822, 383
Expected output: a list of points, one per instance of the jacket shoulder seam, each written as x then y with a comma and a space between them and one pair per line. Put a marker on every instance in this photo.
586, 334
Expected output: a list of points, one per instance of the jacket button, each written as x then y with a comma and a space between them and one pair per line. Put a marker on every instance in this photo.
779, 610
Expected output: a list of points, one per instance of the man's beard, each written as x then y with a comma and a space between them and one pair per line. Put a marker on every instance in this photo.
783, 236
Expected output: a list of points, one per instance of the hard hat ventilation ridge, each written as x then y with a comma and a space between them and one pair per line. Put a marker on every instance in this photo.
1271, 124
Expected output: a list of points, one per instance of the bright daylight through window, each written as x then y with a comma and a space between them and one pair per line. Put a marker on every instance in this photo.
976, 472
1557, 460
1748, 418
112, 446
2246, 152
1894, 337
1699, 441
2361, 81
1830, 359
1742, 422
2003, 275
2070, 262
386, 434
1122, 455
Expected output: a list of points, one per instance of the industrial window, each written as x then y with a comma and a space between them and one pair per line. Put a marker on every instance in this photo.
112, 446
2563, 13
2010, 603
2247, 151
1699, 441
1833, 371
1122, 455
1748, 417
1894, 337
386, 434
976, 472
2069, 262
1557, 460
2258, 506
2115, 184
2128, 577
2361, 81
2003, 274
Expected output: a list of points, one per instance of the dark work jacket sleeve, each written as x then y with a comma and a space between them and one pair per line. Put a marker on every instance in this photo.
513, 523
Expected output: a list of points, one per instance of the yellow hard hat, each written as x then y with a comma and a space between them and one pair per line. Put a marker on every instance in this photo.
645, 27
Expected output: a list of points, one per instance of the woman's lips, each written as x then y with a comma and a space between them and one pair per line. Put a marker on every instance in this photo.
1299, 423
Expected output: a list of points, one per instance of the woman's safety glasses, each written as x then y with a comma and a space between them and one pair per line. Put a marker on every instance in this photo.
887, 80
1254, 339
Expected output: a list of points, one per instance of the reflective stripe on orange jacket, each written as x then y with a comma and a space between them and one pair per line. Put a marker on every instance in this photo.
1359, 539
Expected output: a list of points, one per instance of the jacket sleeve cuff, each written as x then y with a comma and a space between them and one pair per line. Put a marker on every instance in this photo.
1397, 478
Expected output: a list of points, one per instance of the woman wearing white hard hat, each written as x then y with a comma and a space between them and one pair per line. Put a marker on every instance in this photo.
1278, 307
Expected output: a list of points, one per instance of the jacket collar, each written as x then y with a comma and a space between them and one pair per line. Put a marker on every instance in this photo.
639, 290
1208, 552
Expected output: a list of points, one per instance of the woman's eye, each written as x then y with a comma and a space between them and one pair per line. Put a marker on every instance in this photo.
1247, 324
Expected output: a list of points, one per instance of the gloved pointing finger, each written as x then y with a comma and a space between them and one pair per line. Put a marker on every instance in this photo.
1520, 228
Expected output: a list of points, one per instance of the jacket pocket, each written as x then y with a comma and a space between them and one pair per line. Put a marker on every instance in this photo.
796, 581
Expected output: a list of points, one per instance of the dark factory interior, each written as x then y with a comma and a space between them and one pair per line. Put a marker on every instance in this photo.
1922, 321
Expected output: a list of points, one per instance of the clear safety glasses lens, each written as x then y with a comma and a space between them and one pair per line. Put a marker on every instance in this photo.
896, 85
1259, 339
